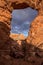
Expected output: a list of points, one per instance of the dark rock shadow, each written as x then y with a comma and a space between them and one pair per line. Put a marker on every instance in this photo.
29, 54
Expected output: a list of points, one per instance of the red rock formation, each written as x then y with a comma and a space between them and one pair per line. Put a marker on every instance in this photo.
6, 8
36, 32
16, 44
35, 37
17, 36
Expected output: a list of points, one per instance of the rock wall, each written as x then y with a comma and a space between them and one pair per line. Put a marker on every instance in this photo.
36, 29
5, 17
36, 32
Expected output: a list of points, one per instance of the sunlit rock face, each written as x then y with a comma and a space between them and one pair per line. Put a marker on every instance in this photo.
17, 36
36, 29
36, 32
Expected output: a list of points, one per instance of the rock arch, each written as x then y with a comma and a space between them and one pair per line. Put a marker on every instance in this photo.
36, 29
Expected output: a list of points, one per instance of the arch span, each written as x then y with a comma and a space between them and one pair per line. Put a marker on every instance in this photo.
6, 7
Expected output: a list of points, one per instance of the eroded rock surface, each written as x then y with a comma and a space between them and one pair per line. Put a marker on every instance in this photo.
36, 32
31, 55
17, 36
6, 8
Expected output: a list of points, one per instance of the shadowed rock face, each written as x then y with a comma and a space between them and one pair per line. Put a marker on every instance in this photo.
6, 8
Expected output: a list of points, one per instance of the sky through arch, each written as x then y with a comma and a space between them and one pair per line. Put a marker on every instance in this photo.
21, 20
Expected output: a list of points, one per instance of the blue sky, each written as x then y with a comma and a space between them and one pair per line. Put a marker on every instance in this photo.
21, 20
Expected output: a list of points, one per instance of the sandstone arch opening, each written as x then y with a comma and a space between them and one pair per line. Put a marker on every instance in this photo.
21, 20
35, 37
6, 7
